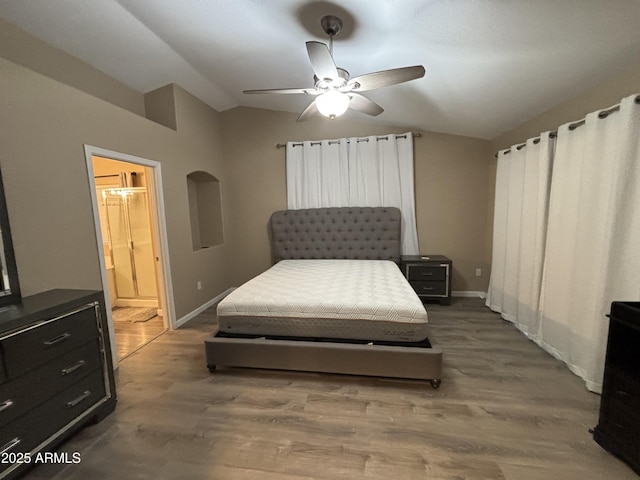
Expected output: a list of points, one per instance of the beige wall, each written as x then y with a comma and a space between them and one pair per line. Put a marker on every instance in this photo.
19, 47
43, 128
452, 181
451, 174
603, 95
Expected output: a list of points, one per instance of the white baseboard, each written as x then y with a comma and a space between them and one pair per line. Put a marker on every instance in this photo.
189, 316
468, 293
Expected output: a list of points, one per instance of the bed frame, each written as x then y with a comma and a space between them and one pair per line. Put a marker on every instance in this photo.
319, 233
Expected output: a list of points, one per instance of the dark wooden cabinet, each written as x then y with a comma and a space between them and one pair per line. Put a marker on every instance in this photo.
429, 275
618, 429
56, 372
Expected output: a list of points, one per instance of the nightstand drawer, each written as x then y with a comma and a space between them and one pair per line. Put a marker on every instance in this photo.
429, 276
421, 273
430, 288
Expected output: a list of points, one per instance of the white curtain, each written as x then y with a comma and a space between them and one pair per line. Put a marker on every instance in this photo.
583, 238
593, 237
520, 227
317, 174
364, 172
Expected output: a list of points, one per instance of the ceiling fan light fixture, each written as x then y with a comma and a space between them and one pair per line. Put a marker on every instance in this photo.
332, 103
336, 91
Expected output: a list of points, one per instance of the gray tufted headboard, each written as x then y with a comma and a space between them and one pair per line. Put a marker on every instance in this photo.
341, 232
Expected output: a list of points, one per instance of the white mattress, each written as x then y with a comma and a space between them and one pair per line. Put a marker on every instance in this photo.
349, 299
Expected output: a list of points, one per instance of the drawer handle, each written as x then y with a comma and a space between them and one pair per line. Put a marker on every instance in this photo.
79, 399
427, 274
6, 404
73, 368
428, 289
56, 340
8, 446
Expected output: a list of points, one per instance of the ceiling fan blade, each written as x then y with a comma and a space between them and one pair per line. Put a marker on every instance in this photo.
308, 91
321, 61
370, 81
310, 111
364, 105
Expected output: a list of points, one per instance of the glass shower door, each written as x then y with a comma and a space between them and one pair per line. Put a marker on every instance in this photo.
142, 244
131, 242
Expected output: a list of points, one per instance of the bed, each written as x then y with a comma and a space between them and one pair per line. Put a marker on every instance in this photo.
334, 301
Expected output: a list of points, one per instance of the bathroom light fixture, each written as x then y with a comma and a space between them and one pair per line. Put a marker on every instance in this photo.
123, 192
332, 103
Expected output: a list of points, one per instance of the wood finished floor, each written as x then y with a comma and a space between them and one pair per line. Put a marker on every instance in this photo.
505, 410
131, 336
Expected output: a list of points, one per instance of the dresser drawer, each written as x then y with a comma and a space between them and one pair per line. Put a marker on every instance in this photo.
28, 431
619, 418
35, 387
419, 273
3, 375
430, 288
622, 382
41, 344
56, 361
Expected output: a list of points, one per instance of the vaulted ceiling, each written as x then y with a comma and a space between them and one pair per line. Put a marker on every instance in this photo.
490, 64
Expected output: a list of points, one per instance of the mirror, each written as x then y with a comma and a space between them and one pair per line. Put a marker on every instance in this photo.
9, 286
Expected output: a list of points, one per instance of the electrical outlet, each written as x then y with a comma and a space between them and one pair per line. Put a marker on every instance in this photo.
199, 285
478, 272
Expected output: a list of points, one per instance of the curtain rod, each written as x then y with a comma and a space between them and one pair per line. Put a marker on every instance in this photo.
383, 137
572, 126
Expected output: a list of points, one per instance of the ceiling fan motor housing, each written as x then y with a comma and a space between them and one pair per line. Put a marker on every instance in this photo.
327, 83
331, 24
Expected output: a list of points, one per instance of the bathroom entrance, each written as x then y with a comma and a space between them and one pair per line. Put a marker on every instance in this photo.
127, 237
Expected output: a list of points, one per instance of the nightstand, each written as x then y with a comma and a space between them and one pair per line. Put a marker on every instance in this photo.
429, 275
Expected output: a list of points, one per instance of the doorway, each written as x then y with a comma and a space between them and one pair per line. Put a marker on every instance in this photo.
129, 227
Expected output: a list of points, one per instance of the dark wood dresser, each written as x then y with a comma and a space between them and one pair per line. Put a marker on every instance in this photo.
429, 275
618, 429
56, 373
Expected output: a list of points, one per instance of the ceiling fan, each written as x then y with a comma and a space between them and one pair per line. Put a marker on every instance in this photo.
335, 91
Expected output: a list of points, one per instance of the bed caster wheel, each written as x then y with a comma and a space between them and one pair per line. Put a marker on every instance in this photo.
212, 368
435, 383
